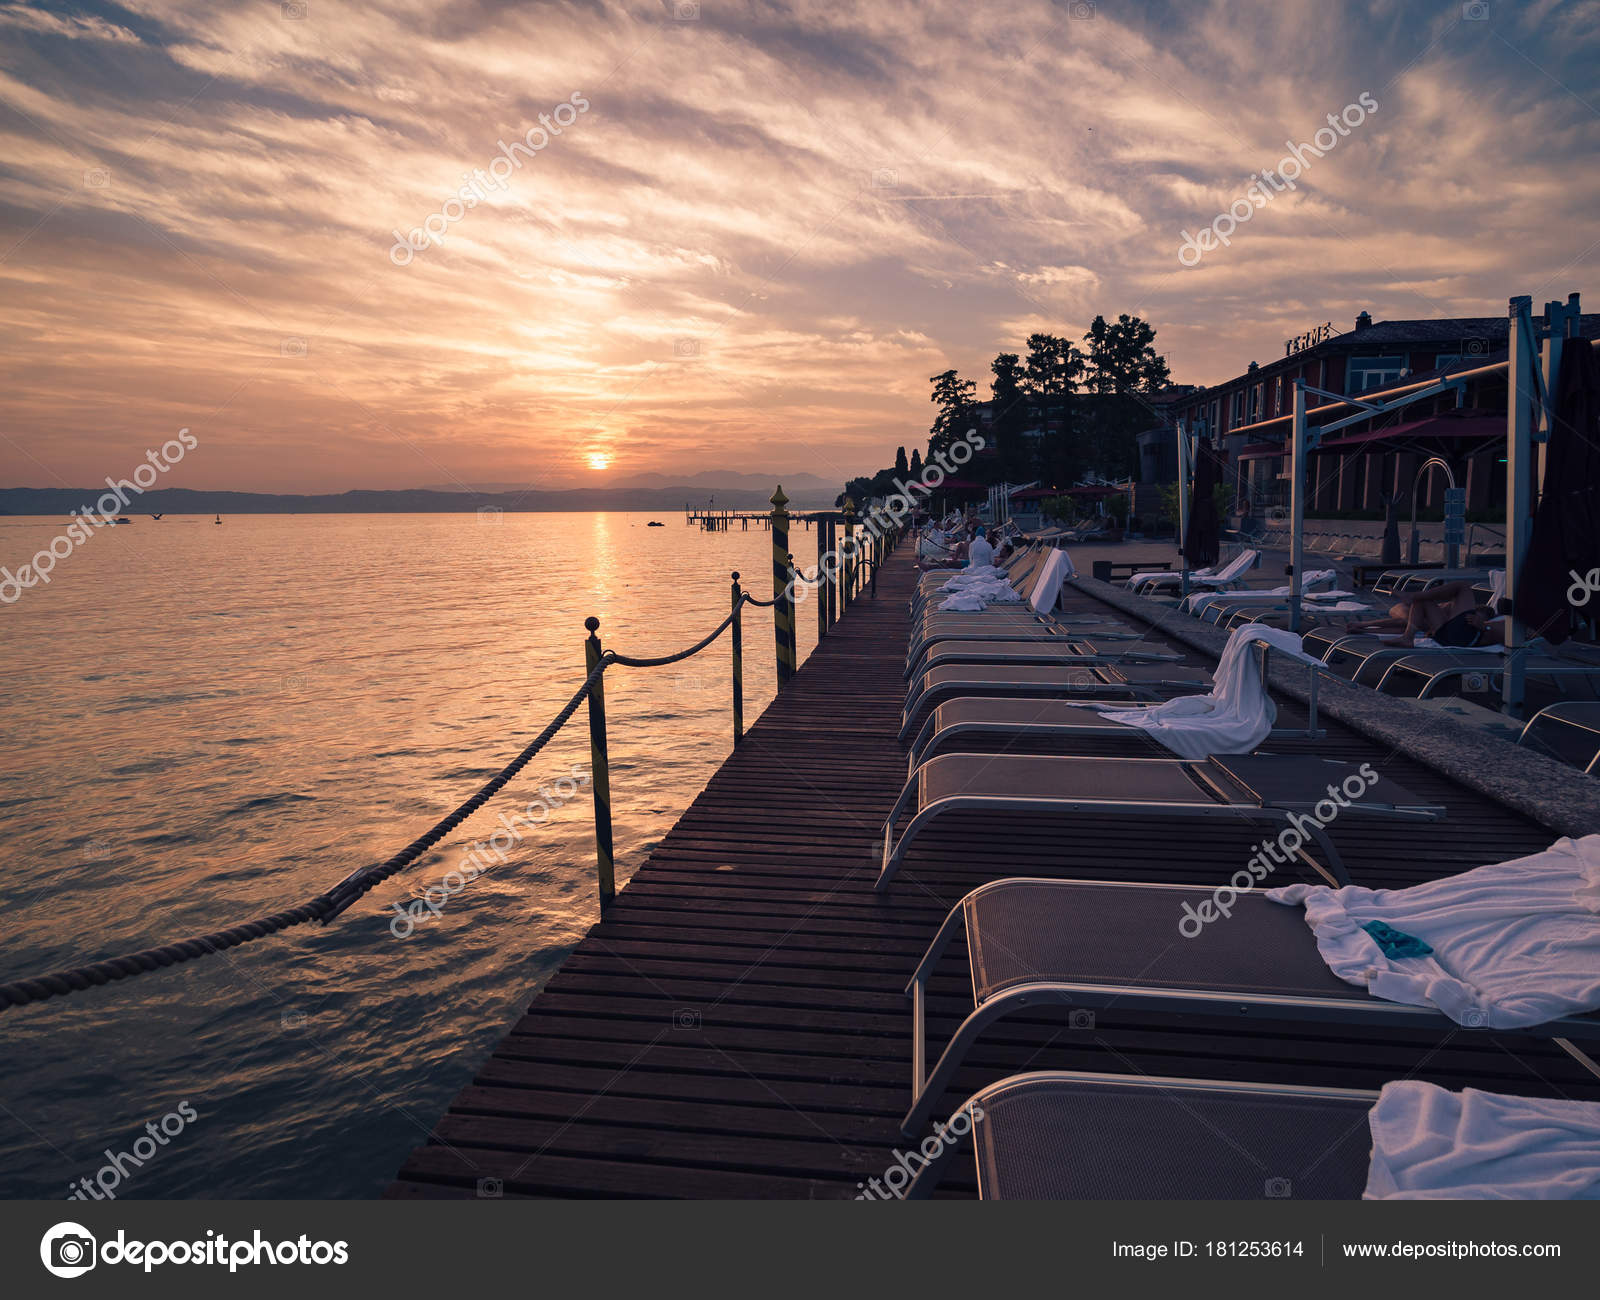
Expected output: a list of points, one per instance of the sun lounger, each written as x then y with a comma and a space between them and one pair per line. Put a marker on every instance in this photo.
1038, 650
1418, 673
1568, 730
1145, 584
1029, 681
1084, 946
1058, 1135
970, 719
1271, 789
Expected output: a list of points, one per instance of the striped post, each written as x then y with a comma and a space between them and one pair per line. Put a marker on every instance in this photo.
782, 602
849, 552
738, 661
599, 768
823, 585
833, 571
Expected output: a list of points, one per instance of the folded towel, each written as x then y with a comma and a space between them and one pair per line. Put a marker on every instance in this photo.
1234, 717
1514, 944
1431, 1144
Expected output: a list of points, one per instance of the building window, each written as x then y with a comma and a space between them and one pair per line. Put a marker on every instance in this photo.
1365, 373
1446, 359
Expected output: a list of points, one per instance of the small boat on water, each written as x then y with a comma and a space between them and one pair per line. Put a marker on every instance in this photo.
655, 523
120, 520
217, 520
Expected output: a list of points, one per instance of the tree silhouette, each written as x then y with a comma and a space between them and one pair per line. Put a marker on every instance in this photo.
955, 398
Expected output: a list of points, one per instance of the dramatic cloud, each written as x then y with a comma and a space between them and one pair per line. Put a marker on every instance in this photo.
766, 228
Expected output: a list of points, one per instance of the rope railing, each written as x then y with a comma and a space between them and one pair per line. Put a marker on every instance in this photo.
327, 906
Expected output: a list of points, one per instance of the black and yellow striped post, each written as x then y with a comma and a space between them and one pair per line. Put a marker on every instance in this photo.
782, 601
833, 571
738, 661
599, 768
849, 552
822, 586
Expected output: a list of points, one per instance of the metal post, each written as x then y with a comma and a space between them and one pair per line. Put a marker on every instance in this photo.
822, 580
1519, 472
849, 553
1183, 507
738, 661
1297, 483
782, 602
833, 571
599, 768
877, 559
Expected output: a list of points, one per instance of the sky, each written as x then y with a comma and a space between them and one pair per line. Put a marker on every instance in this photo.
749, 237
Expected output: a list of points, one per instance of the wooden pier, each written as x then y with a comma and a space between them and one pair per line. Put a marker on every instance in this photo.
736, 1025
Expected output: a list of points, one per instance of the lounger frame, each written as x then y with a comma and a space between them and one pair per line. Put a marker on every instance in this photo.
1355, 1011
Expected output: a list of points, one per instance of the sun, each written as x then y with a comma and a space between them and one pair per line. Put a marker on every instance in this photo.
599, 460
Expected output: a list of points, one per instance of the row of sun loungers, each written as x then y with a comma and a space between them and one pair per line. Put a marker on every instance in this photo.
1303, 953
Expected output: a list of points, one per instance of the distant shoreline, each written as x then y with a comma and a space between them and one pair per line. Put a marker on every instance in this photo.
186, 501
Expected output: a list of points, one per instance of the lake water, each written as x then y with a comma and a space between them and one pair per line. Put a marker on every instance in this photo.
203, 724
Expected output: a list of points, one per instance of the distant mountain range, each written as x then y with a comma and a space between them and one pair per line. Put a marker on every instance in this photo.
695, 487
805, 492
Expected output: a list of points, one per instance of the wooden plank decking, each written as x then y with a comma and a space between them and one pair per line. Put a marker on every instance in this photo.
737, 1026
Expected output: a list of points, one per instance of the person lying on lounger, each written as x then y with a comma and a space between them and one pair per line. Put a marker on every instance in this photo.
1448, 613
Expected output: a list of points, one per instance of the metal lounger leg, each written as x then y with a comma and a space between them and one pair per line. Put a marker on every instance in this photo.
890, 849
916, 990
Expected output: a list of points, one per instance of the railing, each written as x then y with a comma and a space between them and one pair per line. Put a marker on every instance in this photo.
327, 906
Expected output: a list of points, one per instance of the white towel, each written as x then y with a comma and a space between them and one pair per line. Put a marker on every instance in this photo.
1046, 591
1235, 716
973, 574
980, 595
1514, 944
1431, 1144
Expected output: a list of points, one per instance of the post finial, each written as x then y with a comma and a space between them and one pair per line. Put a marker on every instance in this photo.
736, 575
778, 499
592, 623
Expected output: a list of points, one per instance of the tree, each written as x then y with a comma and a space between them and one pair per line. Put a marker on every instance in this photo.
900, 465
955, 397
1054, 368
1010, 413
1122, 357
916, 463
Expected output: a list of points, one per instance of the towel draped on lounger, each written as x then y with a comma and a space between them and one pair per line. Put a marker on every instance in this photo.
1432, 1144
1514, 944
1234, 717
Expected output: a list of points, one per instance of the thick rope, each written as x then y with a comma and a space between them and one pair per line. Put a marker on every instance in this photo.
682, 654
325, 907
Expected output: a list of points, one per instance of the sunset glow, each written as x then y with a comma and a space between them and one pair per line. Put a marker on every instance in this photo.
369, 245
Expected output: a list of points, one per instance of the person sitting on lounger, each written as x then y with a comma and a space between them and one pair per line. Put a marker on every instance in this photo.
979, 551
1448, 613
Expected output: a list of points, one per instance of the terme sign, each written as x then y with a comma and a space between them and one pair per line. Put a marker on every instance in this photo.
1310, 339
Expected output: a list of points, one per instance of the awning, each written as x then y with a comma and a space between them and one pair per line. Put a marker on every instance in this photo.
1034, 494
1443, 426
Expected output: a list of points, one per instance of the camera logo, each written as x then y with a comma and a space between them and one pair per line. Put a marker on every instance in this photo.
68, 1250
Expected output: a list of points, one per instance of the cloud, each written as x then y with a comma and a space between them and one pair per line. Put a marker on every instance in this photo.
831, 203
